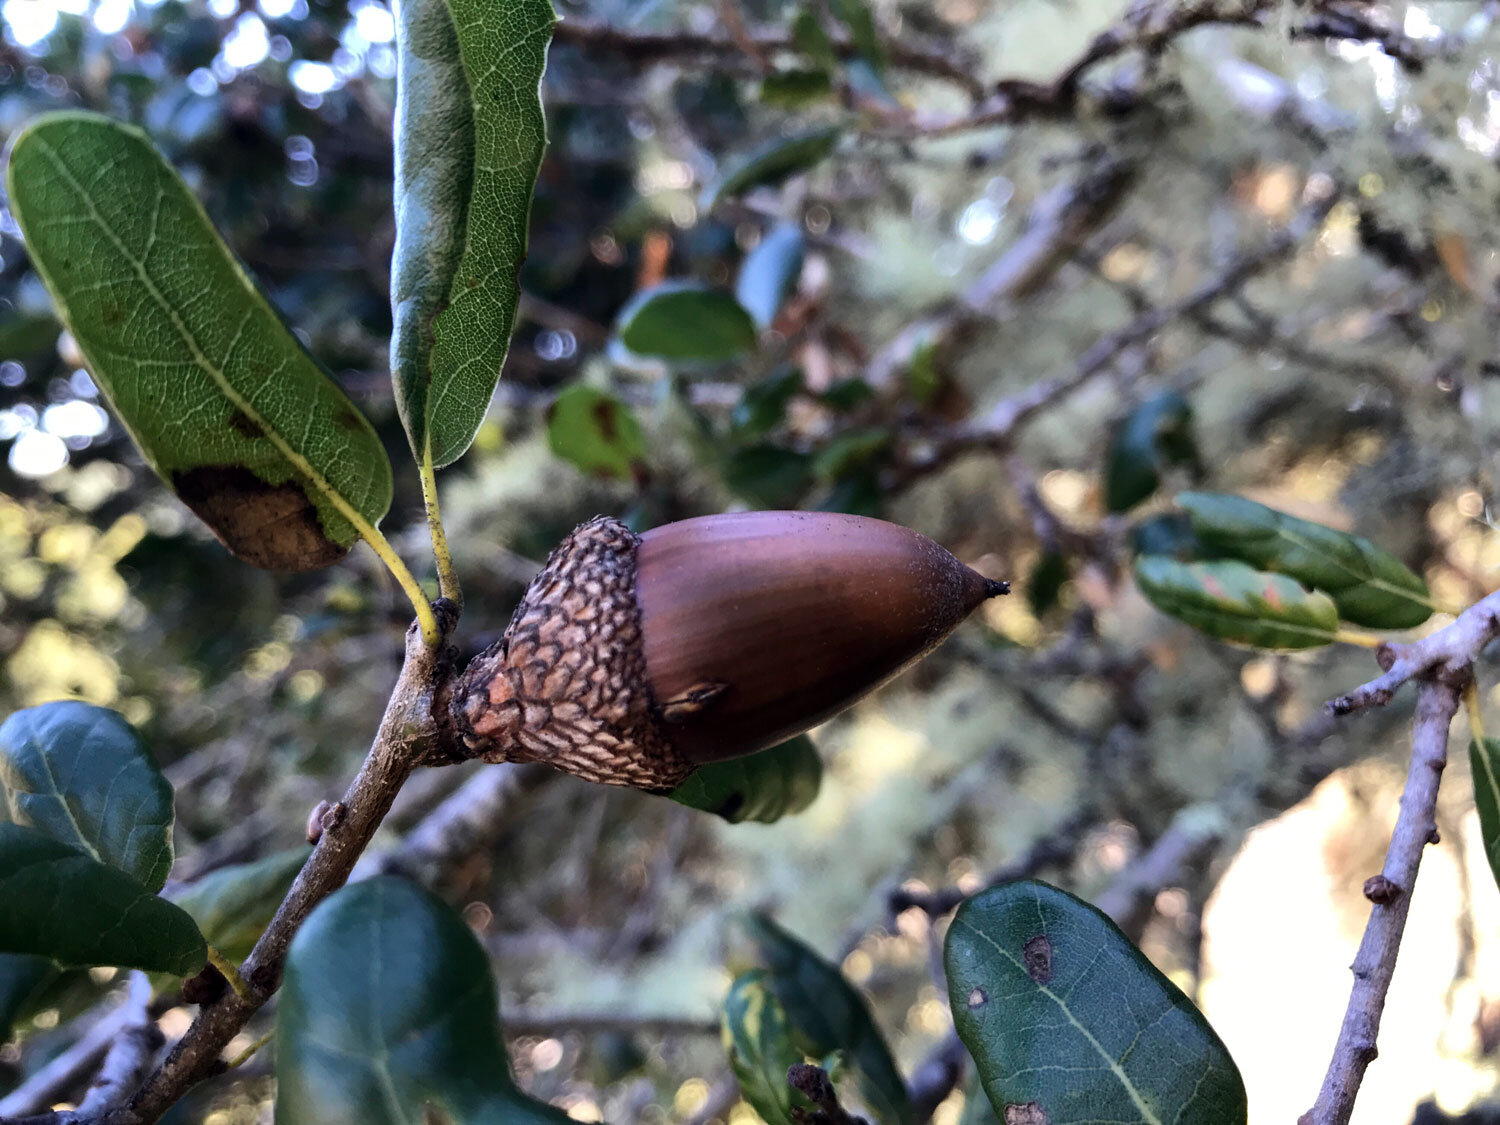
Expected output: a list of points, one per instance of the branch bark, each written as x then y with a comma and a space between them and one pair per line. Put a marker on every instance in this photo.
1390, 891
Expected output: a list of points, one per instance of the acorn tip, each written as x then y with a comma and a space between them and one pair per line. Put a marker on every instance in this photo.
994, 588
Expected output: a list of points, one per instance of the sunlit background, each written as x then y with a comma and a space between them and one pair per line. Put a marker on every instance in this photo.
1355, 385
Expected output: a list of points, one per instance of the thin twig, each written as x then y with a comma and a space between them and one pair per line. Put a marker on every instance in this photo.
1390, 891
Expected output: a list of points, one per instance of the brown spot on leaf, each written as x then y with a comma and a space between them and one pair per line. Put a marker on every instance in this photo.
266, 525
244, 425
604, 418
1026, 1113
977, 998
1037, 954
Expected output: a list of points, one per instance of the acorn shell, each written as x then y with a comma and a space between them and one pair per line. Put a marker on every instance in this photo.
632, 660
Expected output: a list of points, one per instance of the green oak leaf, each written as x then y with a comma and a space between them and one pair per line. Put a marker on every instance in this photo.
223, 400
762, 787
828, 1015
596, 432
469, 140
387, 1015
686, 321
63, 904
758, 1041
1369, 585
1157, 433
774, 161
1069, 1023
82, 775
1484, 763
233, 905
1234, 602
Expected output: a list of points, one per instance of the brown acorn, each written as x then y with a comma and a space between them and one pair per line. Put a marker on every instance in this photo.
633, 660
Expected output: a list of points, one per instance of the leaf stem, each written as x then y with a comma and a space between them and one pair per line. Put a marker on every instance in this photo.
403, 575
447, 579
1476, 717
231, 973
1358, 637
249, 1052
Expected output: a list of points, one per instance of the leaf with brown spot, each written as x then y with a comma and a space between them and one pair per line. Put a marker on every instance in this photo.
1083, 1028
595, 431
1234, 602
223, 400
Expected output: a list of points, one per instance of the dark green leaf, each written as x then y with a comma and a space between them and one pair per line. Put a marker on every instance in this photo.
768, 476
846, 394
595, 431
684, 320
82, 775
858, 495
796, 89
826, 1015
764, 787
1154, 435
769, 273
1046, 582
857, 17
23, 978
1370, 586
758, 1041
851, 450
387, 1012
1233, 602
235, 904
1170, 533
1484, 763
23, 336
469, 140
63, 904
763, 405
1062, 1012
809, 37
771, 163
223, 400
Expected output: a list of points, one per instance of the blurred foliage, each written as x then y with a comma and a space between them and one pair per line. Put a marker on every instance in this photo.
1353, 383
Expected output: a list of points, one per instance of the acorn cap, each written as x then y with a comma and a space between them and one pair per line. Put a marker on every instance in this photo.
634, 660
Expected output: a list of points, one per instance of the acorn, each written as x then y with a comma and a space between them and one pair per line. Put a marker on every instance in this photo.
635, 659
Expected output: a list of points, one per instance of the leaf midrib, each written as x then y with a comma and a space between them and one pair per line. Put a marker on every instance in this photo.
1115, 1068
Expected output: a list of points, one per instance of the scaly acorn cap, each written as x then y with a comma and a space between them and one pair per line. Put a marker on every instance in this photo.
633, 660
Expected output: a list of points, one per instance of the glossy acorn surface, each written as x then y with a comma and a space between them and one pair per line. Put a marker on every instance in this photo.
632, 660
776, 621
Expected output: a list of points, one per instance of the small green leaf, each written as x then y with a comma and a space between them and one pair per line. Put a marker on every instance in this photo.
596, 432
1369, 585
1070, 1023
388, 1014
763, 405
809, 37
1170, 533
771, 163
769, 273
234, 905
63, 904
850, 451
758, 1041
768, 476
469, 140
1046, 582
857, 17
24, 977
1484, 763
1154, 435
1234, 602
222, 399
688, 321
796, 89
763, 787
82, 775
826, 1014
